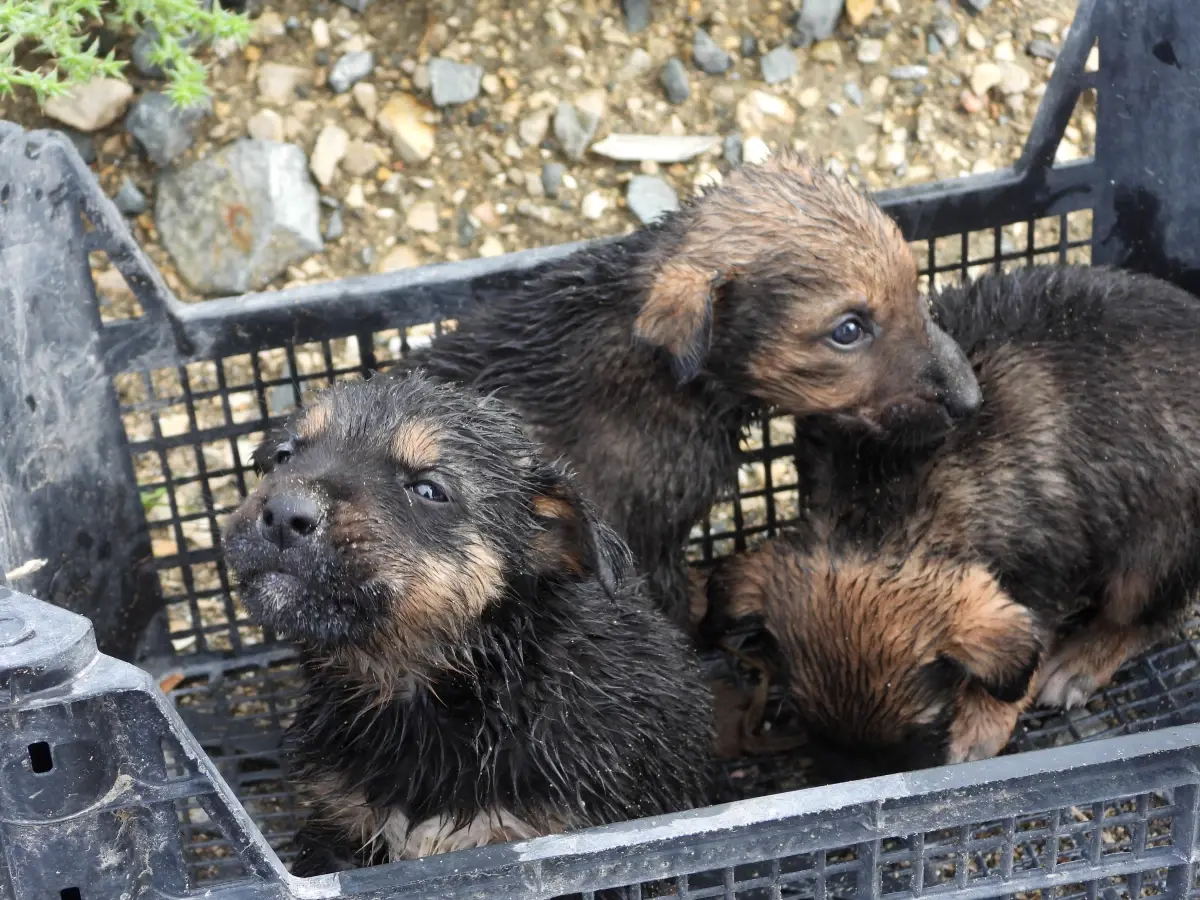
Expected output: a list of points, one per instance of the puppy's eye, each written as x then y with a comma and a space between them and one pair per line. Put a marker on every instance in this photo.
283, 453
849, 332
427, 490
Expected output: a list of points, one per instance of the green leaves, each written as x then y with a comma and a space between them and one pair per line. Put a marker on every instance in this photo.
65, 53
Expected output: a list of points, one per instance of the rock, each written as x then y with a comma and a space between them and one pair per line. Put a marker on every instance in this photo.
359, 6
984, 77
817, 20
1004, 52
947, 30
399, 257
639, 63
267, 28
334, 228
650, 198
144, 49
975, 38
731, 149
552, 177
162, 129
971, 102
92, 106
637, 14
826, 52
572, 132
853, 93
593, 206
749, 45
857, 11
709, 57
320, 34
265, 125
236, 220
423, 217
754, 109
835, 109
659, 148
360, 159
491, 246
908, 73
1047, 27
975, 7
674, 80
129, 200
277, 83
932, 45
331, 146
809, 97
367, 98
355, 197
402, 119
468, 228
351, 69
453, 83
870, 51
1014, 79
83, 143
1040, 49
755, 151
533, 128
779, 65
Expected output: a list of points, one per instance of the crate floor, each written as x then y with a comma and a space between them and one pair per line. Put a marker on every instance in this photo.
237, 709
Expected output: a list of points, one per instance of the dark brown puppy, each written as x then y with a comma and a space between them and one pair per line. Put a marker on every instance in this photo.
642, 360
886, 658
1077, 485
480, 664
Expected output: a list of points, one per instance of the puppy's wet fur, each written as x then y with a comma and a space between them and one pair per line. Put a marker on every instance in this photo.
1075, 489
641, 360
481, 665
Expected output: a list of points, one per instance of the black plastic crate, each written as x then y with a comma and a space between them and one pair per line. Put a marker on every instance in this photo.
125, 438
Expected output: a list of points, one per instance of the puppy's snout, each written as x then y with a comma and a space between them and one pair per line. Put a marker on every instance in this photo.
954, 381
290, 518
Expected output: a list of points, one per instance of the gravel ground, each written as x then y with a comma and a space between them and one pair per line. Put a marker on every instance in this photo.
859, 100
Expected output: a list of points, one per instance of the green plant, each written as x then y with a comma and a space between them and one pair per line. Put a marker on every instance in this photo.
59, 31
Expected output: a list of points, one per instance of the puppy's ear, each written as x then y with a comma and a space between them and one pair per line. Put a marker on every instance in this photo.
677, 316
995, 639
572, 540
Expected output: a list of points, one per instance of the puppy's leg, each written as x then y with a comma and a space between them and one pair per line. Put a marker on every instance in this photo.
323, 848
983, 724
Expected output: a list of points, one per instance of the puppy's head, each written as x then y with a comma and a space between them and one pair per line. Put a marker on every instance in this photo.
392, 513
885, 657
797, 288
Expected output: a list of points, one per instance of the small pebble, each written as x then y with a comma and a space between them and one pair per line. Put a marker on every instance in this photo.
593, 206
708, 57
367, 255
975, 7
650, 198
1040, 49
476, 117
779, 65
467, 229
129, 200
932, 45
320, 34
674, 80
755, 150
350, 69
321, 57
908, 73
453, 83
835, 108
637, 15
853, 93
731, 149
749, 45
947, 30
975, 38
292, 23
870, 51
334, 228
552, 178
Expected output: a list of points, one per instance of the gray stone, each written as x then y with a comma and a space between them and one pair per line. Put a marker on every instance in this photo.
453, 83
749, 45
84, 145
817, 20
975, 7
637, 14
162, 129
708, 56
650, 198
467, 229
835, 109
853, 93
908, 73
947, 30
731, 149
143, 48
552, 178
932, 45
572, 131
674, 79
1042, 50
334, 228
351, 69
129, 200
236, 220
357, 5
779, 65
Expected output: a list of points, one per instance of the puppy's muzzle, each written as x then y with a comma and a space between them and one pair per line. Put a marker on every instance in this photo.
290, 519
954, 380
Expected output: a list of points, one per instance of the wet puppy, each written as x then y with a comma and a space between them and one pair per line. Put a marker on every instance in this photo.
641, 360
1076, 487
480, 664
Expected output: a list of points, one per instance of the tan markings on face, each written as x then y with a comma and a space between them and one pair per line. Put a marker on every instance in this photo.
316, 420
553, 507
416, 445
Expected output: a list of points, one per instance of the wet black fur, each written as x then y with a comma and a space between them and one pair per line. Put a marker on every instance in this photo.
567, 697
1119, 410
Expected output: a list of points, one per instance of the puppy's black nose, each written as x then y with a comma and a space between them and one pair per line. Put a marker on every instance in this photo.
290, 518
